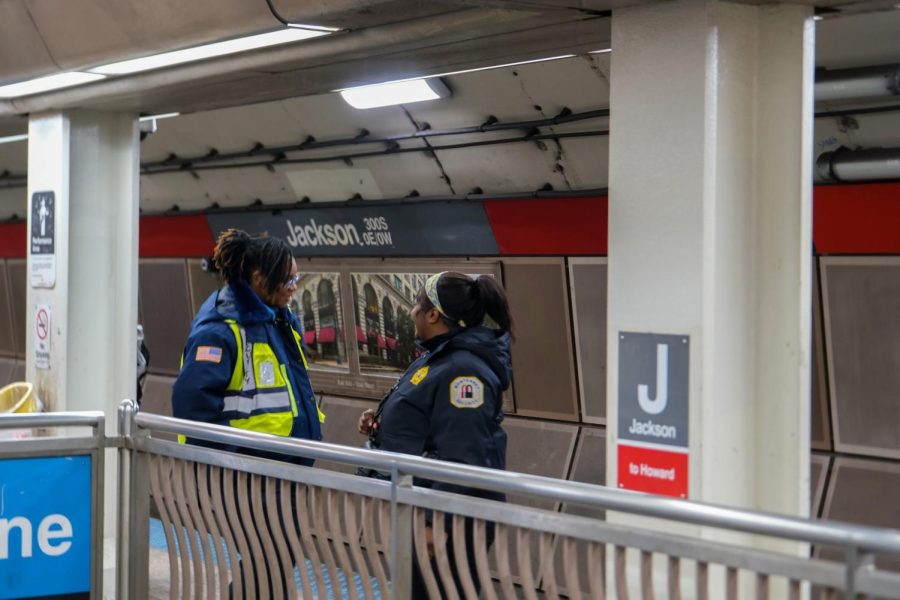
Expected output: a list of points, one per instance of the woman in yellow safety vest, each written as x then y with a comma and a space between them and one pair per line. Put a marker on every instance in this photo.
244, 363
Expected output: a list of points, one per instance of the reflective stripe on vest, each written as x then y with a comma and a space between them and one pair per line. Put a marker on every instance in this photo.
306, 366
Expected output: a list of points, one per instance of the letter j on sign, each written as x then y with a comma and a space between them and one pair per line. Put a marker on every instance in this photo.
653, 413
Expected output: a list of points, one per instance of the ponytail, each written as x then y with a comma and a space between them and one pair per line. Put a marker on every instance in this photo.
228, 256
494, 301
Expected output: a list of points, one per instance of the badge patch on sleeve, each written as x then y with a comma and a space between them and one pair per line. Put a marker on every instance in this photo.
418, 376
211, 354
466, 392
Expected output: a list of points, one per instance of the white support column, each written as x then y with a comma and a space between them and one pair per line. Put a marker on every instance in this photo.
89, 160
710, 233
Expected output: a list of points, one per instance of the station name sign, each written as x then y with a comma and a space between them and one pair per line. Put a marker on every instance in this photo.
45, 527
419, 229
653, 413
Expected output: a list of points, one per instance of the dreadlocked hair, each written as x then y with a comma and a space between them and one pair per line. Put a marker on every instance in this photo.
237, 255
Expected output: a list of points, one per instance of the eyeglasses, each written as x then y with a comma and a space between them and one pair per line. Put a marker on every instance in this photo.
293, 281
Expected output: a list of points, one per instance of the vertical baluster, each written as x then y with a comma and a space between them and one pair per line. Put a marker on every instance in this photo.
289, 506
370, 510
158, 472
174, 513
282, 556
354, 538
421, 549
502, 544
205, 480
220, 511
523, 556
200, 546
243, 580
333, 503
440, 555
621, 574
702, 581
479, 539
793, 589
546, 565
320, 529
570, 567
731, 583
251, 531
304, 505
460, 556
762, 586
647, 576
596, 565
674, 578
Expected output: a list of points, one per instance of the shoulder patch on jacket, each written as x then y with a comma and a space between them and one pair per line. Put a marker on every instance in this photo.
211, 354
466, 392
418, 376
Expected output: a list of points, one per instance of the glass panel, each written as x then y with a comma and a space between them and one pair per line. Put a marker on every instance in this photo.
317, 304
385, 336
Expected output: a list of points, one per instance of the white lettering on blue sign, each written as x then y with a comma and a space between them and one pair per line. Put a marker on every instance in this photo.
45, 526
312, 234
45, 535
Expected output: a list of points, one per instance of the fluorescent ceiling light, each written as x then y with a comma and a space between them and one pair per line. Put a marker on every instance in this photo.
166, 59
13, 138
313, 27
162, 116
604, 51
46, 84
395, 92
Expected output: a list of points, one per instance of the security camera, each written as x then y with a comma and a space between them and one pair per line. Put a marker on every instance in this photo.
207, 265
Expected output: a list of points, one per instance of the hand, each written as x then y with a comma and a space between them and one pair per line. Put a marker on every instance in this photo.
367, 422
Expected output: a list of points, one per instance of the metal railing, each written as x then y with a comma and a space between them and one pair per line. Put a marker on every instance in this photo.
339, 527
81, 463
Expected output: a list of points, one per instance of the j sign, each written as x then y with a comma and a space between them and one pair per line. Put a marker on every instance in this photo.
45, 527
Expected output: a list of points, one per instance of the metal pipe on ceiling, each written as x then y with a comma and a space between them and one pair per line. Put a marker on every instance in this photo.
854, 84
871, 164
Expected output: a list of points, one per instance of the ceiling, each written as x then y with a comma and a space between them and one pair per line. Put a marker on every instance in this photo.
282, 96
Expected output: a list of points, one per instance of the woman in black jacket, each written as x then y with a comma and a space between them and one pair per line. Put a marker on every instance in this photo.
448, 404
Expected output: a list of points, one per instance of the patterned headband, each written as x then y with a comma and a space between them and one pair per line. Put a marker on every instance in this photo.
432, 295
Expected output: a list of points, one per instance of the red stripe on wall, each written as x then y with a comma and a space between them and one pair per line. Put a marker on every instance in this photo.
857, 219
175, 236
551, 226
13, 241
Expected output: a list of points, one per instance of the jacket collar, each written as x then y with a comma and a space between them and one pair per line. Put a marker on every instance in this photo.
238, 301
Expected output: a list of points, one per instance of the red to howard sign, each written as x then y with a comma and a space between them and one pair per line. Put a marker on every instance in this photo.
653, 471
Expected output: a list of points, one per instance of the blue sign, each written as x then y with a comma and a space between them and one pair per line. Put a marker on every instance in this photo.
45, 527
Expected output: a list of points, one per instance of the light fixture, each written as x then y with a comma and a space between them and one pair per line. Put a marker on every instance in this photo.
13, 138
603, 51
313, 27
395, 92
48, 83
818, 17
242, 44
160, 116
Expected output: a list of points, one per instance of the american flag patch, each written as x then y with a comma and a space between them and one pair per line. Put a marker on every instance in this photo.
211, 354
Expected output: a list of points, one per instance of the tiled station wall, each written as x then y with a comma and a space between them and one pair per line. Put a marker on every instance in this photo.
557, 427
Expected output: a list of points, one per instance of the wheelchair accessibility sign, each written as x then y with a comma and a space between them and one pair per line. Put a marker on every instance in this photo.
45, 527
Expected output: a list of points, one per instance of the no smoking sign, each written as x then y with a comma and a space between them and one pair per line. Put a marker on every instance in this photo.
42, 336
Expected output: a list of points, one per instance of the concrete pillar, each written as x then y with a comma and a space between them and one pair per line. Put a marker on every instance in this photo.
86, 288
710, 237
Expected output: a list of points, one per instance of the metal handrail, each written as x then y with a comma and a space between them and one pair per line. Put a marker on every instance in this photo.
865, 539
91, 418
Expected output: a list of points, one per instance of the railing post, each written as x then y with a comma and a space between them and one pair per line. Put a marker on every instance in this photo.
852, 561
401, 538
134, 511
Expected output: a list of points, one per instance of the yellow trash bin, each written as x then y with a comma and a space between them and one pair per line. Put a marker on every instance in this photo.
17, 397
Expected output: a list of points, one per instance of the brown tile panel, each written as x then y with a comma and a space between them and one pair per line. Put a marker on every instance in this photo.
864, 492
16, 273
166, 307
589, 466
341, 417
821, 421
7, 366
539, 448
7, 340
818, 471
201, 284
542, 356
588, 289
863, 350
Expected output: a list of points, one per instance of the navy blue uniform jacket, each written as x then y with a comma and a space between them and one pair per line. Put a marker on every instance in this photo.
199, 390
448, 403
